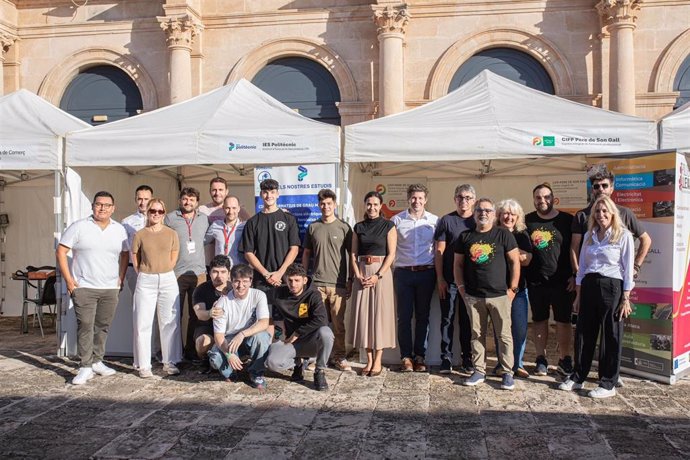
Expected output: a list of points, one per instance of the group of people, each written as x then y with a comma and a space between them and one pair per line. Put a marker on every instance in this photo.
262, 310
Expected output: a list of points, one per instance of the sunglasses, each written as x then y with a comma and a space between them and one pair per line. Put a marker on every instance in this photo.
153, 212
600, 186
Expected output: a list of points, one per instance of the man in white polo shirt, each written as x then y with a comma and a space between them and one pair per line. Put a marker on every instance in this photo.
100, 253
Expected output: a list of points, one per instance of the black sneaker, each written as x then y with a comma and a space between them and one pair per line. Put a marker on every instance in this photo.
565, 366
446, 366
298, 372
205, 367
467, 367
320, 383
542, 367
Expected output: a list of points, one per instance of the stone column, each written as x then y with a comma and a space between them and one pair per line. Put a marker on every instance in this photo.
620, 16
6, 41
391, 22
180, 32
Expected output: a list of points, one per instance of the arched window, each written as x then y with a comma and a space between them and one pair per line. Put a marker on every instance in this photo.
101, 94
682, 83
506, 62
304, 85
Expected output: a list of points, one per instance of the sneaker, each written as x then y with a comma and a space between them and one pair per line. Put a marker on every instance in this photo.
170, 369
565, 366
507, 382
258, 382
467, 367
341, 364
601, 392
419, 364
101, 369
146, 373
475, 379
619, 383
84, 375
406, 365
522, 373
446, 366
570, 385
320, 383
205, 367
298, 373
542, 367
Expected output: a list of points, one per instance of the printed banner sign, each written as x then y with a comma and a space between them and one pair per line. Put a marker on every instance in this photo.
394, 192
299, 186
681, 263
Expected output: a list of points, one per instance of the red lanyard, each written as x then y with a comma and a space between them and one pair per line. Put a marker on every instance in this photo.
227, 236
189, 225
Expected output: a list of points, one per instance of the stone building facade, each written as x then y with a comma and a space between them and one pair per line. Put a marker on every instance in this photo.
632, 56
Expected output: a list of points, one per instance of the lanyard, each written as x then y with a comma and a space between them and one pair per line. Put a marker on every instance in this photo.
227, 236
189, 225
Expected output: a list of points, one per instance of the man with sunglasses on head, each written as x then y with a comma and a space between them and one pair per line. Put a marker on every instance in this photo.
602, 185
100, 253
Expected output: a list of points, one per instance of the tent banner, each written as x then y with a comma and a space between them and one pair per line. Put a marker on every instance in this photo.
394, 193
645, 185
38, 155
299, 186
681, 266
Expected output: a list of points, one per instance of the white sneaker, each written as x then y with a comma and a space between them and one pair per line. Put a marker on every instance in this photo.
601, 392
101, 369
170, 369
84, 375
146, 373
570, 385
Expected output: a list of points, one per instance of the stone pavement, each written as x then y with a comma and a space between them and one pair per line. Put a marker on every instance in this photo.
392, 416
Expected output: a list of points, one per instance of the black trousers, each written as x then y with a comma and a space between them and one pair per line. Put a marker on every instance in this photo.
600, 297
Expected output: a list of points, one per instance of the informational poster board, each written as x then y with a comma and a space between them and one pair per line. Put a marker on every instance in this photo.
657, 333
394, 192
569, 191
299, 186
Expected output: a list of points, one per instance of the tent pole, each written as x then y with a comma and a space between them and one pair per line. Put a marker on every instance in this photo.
58, 208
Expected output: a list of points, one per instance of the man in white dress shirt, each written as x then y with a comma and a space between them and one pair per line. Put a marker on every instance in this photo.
414, 277
225, 235
135, 222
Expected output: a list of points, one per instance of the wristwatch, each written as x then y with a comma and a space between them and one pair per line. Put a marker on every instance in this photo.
514, 289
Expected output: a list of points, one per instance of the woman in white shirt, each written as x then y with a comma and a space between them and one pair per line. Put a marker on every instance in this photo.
603, 284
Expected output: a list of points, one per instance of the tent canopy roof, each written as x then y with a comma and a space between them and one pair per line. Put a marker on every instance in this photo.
30, 131
493, 117
674, 128
237, 124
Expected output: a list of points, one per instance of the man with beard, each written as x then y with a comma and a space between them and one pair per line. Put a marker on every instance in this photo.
550, 279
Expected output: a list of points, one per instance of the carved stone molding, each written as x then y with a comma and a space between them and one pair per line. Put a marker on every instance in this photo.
619, 12
392, 19
180, 31
6, 40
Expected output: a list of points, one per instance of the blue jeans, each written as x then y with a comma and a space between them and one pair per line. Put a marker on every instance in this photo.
518, 327
413, 291
449, 305
256, 347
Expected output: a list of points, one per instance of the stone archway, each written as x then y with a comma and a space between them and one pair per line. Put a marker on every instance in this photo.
543, 51
669, 63
56, 81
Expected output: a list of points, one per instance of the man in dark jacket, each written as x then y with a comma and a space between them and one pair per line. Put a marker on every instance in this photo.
306, 328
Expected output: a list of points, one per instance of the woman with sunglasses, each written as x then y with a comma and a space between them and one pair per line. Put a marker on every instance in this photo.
154, 253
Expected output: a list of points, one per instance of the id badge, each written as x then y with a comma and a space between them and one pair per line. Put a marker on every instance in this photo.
191, 247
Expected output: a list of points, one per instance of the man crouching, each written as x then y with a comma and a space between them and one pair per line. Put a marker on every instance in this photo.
307, 333
241, 329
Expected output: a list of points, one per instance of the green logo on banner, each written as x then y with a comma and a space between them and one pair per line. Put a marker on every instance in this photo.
549, 141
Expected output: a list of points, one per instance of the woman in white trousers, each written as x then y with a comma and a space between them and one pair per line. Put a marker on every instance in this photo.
155, 249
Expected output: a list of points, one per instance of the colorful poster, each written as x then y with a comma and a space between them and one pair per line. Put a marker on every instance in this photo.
569, 191
299, 186
681, 266
645, 184
394, 192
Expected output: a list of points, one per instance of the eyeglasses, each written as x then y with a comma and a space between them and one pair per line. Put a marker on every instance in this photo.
484, 210
464, 198
103, 205
153, 212
602, 186
245, 282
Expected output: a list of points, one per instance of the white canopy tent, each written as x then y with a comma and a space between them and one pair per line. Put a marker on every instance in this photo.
674, 128
31, 159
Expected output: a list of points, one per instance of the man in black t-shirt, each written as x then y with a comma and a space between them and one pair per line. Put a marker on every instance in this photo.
270, 242
203, 298
484, 257
602, 185
448, 230
550, 279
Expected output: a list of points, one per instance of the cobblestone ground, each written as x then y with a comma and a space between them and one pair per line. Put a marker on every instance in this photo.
392, 416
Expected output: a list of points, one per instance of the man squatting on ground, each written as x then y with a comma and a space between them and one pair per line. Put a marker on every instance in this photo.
100, 253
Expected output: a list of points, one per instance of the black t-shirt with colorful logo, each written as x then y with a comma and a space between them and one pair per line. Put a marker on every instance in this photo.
485, 269
550, 248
